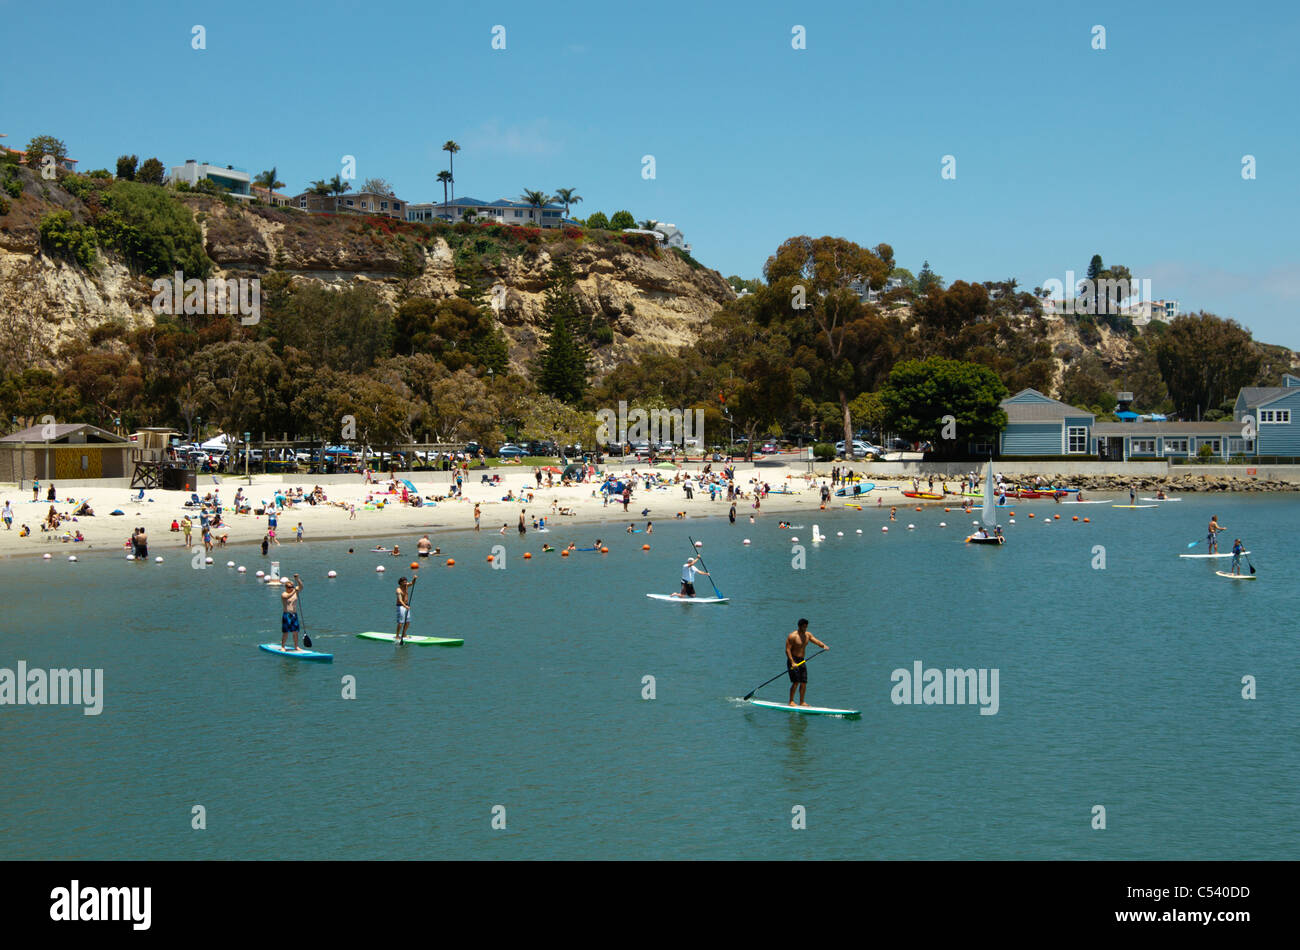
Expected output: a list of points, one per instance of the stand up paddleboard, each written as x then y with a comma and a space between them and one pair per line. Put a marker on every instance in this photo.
1135, 506
417, 641
852, 490
1236, 577
1210, 555
807, 710
1162, 499
296, 654
689, 600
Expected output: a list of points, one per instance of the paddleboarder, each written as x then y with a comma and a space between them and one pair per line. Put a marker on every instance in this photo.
404, 607
689, 570
1213, 534
1237, 550
289, 610
795, 645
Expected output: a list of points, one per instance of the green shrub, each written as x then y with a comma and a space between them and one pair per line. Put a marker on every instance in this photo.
602, 333
823, 451
4, 207
691, 262
62, 235
152, 230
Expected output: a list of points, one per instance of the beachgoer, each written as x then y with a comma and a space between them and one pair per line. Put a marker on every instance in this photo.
8, 516
289, 609
795, 663
299, 532
266, 544
476, 515
423, 546
1213, 534
141, 544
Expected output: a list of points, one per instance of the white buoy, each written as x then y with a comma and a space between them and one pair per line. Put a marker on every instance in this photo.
794, 540
1013, 521
379, 569
332, 574
699, 544
130, 557
71, 557
260, 574
46, 557
746, 541
943, 524
839, 534
207, 560
158, 559
859, 531
230, 564
911, 527
241, 569
884, 528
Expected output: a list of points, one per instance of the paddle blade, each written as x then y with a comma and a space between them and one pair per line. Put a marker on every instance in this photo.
306, 641
1193, 544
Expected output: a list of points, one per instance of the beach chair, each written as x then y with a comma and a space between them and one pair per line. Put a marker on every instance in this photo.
140, 496
195, 501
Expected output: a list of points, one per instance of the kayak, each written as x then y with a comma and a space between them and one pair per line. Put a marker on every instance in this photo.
806, 710
296, 654
689, 600
860, 489
1211, 555
1236, 577
417, 641
989, 540
927, 495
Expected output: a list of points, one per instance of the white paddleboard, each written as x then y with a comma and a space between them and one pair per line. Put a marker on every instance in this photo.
806, 710
1236, 577
689, 600
1162, 499
1211, 555
1134, 506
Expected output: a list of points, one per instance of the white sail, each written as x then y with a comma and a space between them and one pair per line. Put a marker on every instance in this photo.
989, 513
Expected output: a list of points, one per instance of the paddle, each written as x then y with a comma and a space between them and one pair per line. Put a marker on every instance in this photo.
306, 640
779, 675
700, 557
1252, 566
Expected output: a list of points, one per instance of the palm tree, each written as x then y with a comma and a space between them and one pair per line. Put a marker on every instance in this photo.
269, 181
444, 176
538, 199
338, 186
567, 196
451, 148
648, 224
320, 187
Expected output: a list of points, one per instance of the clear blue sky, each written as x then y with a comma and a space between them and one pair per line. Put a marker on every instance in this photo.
1061, 151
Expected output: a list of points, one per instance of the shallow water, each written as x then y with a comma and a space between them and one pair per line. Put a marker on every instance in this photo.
1118, 687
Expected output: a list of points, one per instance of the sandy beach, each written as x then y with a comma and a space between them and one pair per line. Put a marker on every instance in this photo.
404, 524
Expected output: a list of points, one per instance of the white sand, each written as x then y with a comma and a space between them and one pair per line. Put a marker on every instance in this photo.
404, 524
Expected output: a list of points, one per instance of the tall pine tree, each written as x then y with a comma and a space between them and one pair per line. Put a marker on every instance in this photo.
561, 364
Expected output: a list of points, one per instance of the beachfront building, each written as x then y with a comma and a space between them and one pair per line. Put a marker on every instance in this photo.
236, 181
1156, 439
354, 202
1276, 414
1040, 425
501, 211
63, 451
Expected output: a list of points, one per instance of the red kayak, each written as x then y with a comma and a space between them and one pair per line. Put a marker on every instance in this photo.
926, 495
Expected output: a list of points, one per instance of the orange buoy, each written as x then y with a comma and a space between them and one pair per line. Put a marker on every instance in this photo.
1057, 517
946, 510
1076, 517
823, 507
489, 558
645, 547
527, 555
1013, 514
564, 553
1031, 514
451, 561
604, 550
414, 566
1087, 520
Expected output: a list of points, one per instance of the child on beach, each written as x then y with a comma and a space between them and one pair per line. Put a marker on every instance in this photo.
299, 532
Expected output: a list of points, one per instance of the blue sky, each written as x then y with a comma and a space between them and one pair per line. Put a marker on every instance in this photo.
1062, 151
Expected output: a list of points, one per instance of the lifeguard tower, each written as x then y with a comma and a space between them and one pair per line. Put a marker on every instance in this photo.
153, 464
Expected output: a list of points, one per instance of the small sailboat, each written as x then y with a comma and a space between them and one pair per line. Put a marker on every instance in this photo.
989, 534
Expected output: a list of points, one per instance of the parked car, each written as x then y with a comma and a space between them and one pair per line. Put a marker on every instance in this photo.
861, 450
510, 451
769, 449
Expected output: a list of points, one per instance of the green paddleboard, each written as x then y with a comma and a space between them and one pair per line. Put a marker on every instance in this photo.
412, 639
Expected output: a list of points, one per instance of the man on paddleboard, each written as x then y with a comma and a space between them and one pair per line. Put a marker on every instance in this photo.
289, 610
795, 645
689, 570
1212, 535
1237, 550
404, 607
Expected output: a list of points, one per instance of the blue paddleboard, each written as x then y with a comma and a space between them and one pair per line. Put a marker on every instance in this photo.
296, 654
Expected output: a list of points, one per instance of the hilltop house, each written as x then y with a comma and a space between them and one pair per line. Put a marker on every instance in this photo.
501, 211
273, 198
234, 180
354, 202
668, 235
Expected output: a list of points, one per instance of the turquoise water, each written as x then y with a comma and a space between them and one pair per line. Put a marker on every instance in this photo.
1118, 687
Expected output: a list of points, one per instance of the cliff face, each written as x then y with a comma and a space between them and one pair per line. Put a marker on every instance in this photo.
655, 301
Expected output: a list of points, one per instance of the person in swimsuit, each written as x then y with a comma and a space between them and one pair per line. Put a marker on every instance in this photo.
289, 610
1237, 550
476, 515
404, 606
1212, 536
141, 544
795, 663
422, 546
689, 570
523, 528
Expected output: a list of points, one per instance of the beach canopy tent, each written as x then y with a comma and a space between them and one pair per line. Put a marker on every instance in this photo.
1126, 416
572, 471
221, 443
64, 450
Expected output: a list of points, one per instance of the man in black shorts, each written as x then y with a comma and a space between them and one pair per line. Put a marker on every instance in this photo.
795, 663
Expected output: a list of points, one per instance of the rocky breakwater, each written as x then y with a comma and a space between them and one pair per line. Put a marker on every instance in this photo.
1170, 484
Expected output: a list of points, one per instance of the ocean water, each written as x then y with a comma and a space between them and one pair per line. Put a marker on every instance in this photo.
1118, 686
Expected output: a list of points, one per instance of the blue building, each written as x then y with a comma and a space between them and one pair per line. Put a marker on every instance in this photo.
1275, 412
1040, 425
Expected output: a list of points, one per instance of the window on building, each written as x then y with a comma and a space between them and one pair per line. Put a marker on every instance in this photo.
1175, 446
519, 214
1216, 445
1240, 446
1142, 447
1076, 439
1275, 417
981, 448
383, 206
